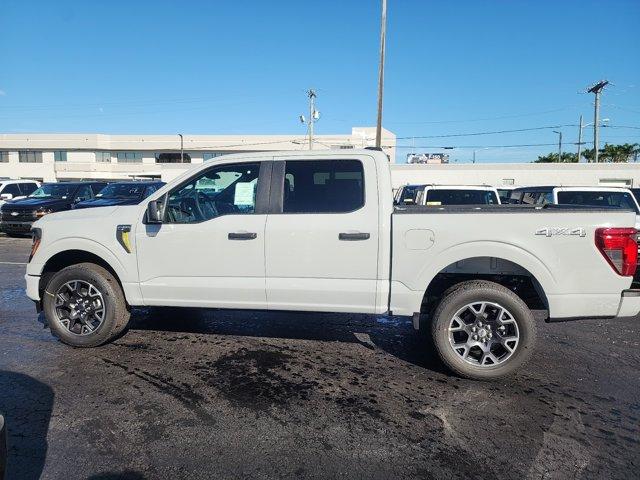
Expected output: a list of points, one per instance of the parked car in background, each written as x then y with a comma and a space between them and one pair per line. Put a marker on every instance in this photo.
121, 193
442, 195
16, 189
589, 196
17, 216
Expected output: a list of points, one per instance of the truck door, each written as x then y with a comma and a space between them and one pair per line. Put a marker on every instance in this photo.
322, 235
209, 250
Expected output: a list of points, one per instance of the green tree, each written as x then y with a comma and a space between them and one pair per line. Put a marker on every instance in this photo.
626, 152
553, 158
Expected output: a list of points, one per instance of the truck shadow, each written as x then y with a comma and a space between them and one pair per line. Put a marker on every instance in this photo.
26, 404
394, 335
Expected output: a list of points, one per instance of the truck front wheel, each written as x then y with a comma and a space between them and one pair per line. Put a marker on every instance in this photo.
482, 330
85, 306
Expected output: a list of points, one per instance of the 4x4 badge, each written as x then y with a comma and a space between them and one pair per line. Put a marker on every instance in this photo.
553, 231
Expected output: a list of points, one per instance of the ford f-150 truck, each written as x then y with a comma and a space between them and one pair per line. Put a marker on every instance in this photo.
317, 231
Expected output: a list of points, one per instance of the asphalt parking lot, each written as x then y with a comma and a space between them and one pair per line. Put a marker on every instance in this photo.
194, 394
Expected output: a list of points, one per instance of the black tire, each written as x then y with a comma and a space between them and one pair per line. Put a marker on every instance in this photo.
472, 292
116, 316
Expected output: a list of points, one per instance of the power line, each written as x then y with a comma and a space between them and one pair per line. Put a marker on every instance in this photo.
531, 114
484, 133
450, 147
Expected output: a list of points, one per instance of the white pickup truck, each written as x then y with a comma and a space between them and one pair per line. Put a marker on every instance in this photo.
317, 231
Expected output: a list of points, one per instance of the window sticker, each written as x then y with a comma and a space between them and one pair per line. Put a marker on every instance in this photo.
244, 193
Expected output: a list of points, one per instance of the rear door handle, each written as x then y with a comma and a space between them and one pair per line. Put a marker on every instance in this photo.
242, 236
353, 236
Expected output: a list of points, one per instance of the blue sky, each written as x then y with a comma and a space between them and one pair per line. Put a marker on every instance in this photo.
208, 67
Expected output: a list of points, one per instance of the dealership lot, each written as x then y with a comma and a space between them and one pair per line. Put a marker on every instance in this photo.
290, 395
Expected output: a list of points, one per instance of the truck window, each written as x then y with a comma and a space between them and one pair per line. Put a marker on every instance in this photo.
221, 190
409, 195
28, 188
461, 197
598, 199
546, 199
12, 188
516, 197
84, 193
504, 194
323, 186
530, 198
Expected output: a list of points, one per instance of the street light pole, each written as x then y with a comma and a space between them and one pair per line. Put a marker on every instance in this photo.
312, 109
559, 145
181, 148
383, 35
597, 90
579, 138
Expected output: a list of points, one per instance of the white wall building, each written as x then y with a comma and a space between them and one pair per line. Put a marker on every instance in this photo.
519, 174
60, 157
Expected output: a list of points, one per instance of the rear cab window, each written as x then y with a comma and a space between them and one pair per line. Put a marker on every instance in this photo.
598, 199
460, 197
323, 186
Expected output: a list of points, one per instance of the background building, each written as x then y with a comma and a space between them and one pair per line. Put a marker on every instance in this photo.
63, 157
519, 174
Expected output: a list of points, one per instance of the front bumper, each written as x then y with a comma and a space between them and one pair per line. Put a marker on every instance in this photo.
8, 226
629, 303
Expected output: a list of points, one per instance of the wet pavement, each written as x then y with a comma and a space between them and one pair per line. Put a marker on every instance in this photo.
219, 394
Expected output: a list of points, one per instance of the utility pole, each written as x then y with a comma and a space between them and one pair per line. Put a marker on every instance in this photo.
597, 90
579, 138
474, 157
559, 145
181, 148
314, 115
383, 35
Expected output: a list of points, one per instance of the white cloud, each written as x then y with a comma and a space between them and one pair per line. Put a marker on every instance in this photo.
2, 93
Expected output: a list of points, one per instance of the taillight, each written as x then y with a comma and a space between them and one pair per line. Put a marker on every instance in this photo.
619, 248
36, 235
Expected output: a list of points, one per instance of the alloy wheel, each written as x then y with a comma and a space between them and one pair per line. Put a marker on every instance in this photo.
79, 307
484, 334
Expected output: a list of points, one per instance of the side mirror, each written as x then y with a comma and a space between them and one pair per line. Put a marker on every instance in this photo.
155, 211
6, 196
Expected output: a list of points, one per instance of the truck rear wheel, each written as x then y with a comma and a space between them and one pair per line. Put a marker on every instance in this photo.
85, 306
482, 330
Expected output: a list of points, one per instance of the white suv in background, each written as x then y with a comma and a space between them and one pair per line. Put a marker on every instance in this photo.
444, 195
13, 189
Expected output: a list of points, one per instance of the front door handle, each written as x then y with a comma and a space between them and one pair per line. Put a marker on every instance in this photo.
353, 236
242, 236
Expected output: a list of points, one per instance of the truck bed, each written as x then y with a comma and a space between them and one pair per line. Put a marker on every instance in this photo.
552, 244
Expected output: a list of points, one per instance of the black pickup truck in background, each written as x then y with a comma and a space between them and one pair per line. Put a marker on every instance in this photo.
17, 216
121, 193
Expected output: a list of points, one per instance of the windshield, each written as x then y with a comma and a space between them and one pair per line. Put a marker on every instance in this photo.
461, 197
598, 199
121, 190
54, 190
